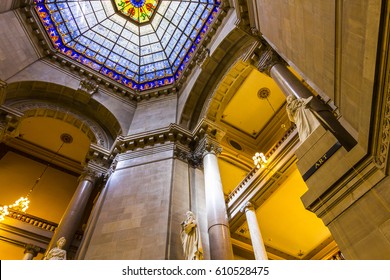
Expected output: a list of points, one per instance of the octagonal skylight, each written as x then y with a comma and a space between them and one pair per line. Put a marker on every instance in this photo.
141, 55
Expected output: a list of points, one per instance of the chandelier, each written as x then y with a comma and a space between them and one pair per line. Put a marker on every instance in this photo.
23, 202
259, 160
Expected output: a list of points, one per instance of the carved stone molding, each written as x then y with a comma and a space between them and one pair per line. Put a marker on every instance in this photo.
100, 160
173, 133
194, 159
204, 53
88, 86
382, 153
9, 122
187, 144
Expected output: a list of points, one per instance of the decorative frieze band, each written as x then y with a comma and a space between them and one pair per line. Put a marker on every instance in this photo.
189, 146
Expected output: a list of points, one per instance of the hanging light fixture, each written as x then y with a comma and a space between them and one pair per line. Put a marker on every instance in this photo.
259, 160
23, 202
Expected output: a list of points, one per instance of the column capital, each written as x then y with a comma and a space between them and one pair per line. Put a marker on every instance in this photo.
208, 146
267, 59
89, 174
32, 249
248, 206
264, 57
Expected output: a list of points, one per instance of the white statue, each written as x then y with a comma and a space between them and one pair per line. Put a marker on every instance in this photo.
190, 238
299, 113
57, 253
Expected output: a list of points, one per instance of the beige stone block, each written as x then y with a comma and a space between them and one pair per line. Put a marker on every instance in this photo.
375, 246
350, 227
385, 229
310, 141
316, 151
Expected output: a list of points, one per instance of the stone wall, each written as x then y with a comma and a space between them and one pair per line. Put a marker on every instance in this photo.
146, 201
363, 230
16, 51
154, 113
6, 5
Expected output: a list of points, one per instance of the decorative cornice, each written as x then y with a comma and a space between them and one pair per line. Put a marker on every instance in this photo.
189, 146
99, 161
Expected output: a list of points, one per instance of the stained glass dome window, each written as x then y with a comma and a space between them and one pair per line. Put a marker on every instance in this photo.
138, 10
139, 55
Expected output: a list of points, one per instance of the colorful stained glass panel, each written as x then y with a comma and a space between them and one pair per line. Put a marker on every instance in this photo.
140, 11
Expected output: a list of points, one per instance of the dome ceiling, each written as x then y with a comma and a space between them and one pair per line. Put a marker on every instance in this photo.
142, 44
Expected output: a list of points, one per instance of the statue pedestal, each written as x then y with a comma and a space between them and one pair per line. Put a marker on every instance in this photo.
320, 162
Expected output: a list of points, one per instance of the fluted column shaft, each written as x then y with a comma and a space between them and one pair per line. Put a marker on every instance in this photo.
254, 231
218, 226
74, 212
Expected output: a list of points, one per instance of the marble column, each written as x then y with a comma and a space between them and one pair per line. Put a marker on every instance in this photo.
218, 226
74, 212
271, 64
31, 252
254, 231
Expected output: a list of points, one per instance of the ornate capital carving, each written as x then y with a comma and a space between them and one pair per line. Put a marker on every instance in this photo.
264, 57
32, 249
88, 86
208, 145
194, 159
248, 206
204, 54
268, 58
89, 174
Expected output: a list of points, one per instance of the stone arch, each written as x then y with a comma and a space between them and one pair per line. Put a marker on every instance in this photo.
233, 47
40, 108
72, 106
